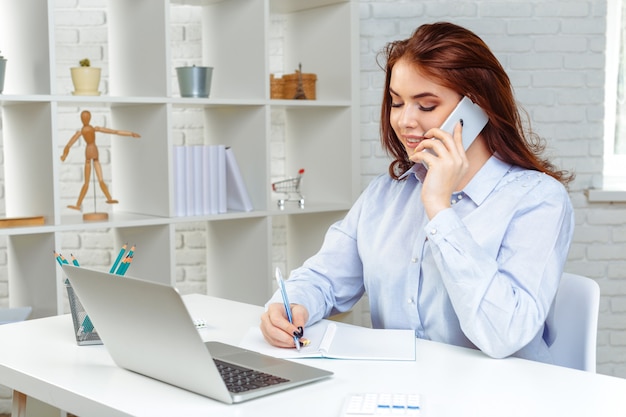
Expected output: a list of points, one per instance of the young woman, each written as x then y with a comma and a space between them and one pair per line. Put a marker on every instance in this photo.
468, 251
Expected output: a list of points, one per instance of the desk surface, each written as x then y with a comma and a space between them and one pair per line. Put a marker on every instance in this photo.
41, 359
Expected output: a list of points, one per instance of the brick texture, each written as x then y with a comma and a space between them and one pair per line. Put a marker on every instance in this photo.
552, 50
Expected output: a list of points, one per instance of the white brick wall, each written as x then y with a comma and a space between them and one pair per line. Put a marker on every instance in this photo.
553, 51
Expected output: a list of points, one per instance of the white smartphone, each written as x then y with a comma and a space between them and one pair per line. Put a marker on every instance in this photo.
474, 120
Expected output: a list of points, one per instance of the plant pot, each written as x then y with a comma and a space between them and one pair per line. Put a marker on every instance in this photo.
194, 81
3, 65
86, 81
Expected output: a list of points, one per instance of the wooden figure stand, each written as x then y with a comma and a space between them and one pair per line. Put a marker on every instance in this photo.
88, 132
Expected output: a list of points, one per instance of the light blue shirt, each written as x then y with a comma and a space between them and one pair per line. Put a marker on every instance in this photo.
480, 274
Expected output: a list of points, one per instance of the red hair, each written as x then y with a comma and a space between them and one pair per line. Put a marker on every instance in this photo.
458, 59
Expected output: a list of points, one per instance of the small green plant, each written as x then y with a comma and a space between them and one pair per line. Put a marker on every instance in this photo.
84, 62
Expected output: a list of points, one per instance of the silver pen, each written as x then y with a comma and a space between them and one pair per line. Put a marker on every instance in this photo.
283, 292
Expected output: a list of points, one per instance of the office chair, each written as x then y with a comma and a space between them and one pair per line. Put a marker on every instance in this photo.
11, 315
573, 323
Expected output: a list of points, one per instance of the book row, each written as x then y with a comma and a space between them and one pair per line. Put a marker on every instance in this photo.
207, 180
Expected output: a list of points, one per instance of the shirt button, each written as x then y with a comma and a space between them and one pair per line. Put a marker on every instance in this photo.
433, 231
411, 301
414, 260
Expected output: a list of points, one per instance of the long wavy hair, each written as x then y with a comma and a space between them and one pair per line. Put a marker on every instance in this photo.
456, 58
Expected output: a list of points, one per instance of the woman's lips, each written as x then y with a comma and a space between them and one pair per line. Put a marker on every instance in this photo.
413, 141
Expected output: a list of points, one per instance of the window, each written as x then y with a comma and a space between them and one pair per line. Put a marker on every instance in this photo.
615, 96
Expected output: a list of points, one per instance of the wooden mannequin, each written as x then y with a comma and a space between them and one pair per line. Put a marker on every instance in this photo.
88, 133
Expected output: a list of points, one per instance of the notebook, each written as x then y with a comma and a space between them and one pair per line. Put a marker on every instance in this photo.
336, 340
147, 329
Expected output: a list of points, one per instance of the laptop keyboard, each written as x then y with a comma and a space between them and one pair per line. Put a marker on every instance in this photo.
239, 379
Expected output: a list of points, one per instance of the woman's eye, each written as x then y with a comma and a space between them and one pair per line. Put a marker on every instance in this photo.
431, 108
396, 105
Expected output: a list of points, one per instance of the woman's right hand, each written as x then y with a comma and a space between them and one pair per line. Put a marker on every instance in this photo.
276, 328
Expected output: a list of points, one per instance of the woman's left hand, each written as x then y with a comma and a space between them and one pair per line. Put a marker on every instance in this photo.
447, 166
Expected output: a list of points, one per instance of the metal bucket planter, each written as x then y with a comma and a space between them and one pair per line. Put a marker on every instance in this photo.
194, 81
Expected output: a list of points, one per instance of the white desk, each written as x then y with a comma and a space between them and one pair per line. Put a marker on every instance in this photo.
40, 358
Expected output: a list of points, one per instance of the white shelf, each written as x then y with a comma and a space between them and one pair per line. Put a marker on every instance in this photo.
321, 136
189, 102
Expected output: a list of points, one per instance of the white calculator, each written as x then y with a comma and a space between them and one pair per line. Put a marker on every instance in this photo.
381, 404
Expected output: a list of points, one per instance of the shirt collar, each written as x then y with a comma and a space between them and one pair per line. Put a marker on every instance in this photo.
418, 170
480, 186
486, 179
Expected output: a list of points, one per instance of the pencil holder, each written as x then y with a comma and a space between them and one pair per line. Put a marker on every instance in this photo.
83, 327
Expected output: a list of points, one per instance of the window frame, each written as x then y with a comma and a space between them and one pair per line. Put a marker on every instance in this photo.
614, 176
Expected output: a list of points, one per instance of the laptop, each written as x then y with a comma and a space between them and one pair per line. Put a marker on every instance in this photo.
147, 329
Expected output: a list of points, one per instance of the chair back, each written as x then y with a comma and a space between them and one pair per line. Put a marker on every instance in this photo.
11, 315
573, 323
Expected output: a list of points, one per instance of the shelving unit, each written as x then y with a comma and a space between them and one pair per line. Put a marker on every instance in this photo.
321, 136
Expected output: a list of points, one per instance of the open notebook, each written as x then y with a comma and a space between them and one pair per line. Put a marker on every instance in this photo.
330, 339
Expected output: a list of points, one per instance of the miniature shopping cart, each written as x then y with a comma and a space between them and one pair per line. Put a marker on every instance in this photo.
290, 188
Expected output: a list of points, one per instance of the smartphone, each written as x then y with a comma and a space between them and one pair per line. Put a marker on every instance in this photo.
474, 120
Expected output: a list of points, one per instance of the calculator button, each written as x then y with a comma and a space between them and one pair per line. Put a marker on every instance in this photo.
381, 404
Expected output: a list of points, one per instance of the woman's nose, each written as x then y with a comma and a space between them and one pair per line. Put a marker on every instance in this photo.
408, 117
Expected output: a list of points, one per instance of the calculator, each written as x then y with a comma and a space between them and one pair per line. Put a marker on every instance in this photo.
379, 404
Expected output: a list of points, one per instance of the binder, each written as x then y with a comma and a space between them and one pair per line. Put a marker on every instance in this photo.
237, 197
207, 180
180, 178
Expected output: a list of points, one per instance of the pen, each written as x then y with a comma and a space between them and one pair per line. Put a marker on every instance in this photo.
283, 292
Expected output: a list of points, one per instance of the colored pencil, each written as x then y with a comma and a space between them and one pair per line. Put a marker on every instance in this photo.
118, 259
125, 265
121, 270
60, 259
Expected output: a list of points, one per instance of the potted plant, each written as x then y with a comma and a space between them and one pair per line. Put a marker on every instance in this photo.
86, 79
3, 64
194, 81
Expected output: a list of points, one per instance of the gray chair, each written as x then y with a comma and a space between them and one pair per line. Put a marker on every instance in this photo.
11, 315
573, 323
